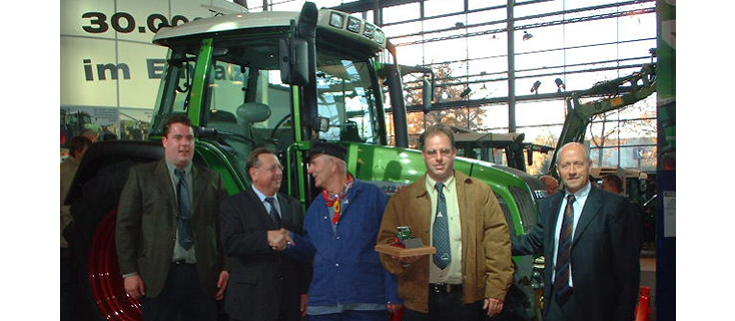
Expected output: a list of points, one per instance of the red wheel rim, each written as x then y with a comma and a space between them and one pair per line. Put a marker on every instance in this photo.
104, 275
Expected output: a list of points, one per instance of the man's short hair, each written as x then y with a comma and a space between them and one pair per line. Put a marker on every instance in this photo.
174, 119
79, 144
253, 161
436, 129
614, 181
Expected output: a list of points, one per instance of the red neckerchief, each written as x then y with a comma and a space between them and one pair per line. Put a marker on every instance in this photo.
335, 200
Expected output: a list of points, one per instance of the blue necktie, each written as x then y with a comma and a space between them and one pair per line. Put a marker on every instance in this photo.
274, 212
184, 219
564, 251
440, 235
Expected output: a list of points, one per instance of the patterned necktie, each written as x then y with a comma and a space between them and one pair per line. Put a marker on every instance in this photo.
184, 219
563, 257
440, 235
274, 212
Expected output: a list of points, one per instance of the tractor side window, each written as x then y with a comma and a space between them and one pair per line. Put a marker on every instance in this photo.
346, 98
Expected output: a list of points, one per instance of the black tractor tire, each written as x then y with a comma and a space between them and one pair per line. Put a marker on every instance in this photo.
94, 198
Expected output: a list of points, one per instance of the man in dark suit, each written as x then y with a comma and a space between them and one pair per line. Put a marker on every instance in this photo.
265, 284
592, 267
167, 232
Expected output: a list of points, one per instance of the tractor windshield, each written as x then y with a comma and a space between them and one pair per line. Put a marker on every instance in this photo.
242, 103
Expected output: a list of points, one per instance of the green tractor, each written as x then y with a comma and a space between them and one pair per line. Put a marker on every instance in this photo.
281, 80
73, 124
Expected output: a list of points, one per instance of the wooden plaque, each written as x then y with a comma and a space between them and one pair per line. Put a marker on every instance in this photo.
401, 252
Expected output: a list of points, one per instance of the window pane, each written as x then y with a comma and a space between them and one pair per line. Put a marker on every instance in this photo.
441, 7
404, 12
540, 112
479, 4
496, 116
537, 8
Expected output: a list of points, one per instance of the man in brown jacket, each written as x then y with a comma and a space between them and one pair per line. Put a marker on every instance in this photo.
460, 216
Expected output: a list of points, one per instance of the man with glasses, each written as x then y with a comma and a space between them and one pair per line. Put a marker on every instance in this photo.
472, 270
265, 284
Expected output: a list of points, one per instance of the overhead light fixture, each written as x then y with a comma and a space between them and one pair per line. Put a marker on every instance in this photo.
465, 92
559, 85
534, 89
526, 35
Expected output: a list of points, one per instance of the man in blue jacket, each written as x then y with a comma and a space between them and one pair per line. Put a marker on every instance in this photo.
340, 229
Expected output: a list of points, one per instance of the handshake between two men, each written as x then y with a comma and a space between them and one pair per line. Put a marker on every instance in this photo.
279, 240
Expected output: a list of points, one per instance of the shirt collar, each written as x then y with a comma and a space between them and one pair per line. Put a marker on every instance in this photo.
581, 193
260, 194
172, 167
172, 170
448, 184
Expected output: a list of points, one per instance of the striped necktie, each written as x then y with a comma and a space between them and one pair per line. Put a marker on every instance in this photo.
274, 212
562, 269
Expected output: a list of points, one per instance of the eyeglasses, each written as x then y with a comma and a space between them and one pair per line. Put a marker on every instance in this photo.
443, 152
273, 168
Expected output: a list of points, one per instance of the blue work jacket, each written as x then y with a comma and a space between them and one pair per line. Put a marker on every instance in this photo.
347, 270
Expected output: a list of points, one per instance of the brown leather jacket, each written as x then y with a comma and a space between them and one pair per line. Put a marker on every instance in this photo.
487, 270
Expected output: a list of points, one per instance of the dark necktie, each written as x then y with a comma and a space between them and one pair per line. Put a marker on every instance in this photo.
564, 251
274, 212
184, 219
440, 234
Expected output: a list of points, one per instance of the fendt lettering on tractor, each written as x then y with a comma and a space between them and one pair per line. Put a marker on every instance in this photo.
280, 80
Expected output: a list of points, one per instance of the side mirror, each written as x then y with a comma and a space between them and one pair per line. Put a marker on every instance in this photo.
294, 61
321, 124
529, 157
428, 95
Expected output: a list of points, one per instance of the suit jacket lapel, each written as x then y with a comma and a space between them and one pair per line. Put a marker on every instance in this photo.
287, 221
162, 181
196, 189
592, 207
261, 211
554, 208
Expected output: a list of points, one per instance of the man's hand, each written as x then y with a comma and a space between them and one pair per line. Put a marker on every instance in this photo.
304, 303
493, 306
224, 276
279, 240
134, 286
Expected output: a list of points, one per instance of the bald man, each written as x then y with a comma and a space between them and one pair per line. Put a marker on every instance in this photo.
592, 269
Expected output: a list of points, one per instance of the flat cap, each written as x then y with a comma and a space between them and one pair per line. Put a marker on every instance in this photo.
322, 147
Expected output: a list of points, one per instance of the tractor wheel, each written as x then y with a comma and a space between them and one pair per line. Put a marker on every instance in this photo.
99, 290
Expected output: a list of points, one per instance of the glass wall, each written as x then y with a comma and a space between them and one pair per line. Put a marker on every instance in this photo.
575, 43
